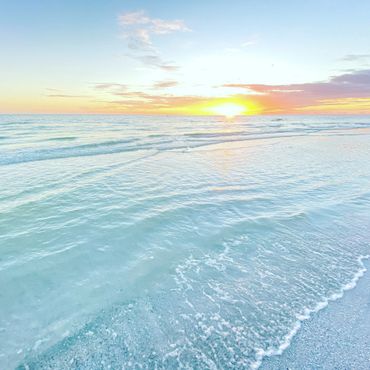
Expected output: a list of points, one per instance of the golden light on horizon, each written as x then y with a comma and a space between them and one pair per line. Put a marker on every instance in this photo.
228, 110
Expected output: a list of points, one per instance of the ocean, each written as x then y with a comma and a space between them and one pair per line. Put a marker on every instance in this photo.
157, 242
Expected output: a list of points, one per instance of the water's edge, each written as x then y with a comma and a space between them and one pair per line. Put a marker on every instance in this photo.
309, 314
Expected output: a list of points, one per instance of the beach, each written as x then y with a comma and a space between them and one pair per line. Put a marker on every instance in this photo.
335, 338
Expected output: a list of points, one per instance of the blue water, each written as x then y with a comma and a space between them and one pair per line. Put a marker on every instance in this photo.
172, 242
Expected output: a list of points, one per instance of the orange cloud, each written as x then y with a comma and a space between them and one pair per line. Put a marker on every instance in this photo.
313, 96
165, 84
344, 105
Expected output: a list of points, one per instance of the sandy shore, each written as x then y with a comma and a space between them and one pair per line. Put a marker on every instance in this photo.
337, 337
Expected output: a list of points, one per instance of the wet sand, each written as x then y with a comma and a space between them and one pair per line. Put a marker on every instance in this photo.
337, 337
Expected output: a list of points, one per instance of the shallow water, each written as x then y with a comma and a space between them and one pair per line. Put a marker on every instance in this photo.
164, 242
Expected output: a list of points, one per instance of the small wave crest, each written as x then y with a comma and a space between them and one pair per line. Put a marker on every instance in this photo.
306, 314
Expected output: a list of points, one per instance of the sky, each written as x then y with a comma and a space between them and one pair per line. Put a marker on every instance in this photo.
185, 57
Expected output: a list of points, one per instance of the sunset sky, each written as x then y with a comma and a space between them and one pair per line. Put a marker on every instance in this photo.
184, 57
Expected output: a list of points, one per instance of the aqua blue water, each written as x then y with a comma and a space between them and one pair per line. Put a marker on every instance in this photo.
172, 242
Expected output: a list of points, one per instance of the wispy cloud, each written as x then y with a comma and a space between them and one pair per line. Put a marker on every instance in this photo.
141, 102
138, 25
165, 84
250, 42
53, 90
138, 30
355, 84
297, 96
356, 58
58, 93
109, 86
154, 60
66, 96
344, 105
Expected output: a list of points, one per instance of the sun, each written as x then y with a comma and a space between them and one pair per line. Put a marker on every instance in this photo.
228, 110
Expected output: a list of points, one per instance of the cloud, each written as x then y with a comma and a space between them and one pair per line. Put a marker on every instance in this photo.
139, 39
345, 85
165, 84
250, 42
142, 102
133, 18
356, 57
66, 96
169, 68
108, 86
344, 105
138, 29
151, 25
154, 60
293, 96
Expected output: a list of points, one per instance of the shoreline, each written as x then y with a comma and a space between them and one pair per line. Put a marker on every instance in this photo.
321, 340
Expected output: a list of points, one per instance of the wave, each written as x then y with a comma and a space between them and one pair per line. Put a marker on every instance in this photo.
68, 184
67, 152
307, 314
182, 140
64, 138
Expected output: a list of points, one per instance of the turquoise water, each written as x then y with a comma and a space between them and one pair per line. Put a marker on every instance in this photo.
172, 242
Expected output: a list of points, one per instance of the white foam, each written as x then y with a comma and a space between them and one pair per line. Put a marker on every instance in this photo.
307, 312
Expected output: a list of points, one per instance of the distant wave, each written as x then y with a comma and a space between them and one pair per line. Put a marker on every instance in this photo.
179, 140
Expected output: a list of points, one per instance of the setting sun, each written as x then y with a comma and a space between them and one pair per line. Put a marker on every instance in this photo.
228, 110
